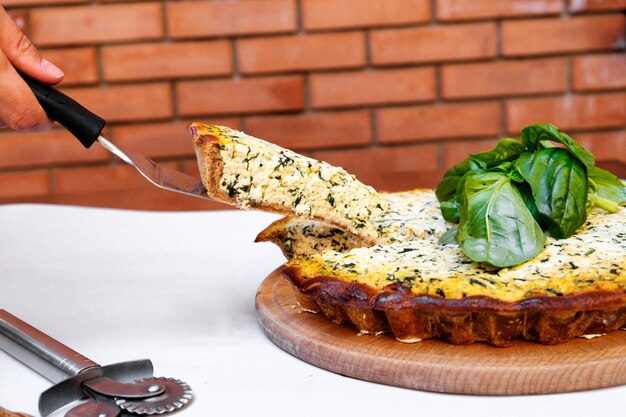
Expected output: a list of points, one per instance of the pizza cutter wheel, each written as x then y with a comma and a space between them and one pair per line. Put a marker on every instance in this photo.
119, 390
176, 394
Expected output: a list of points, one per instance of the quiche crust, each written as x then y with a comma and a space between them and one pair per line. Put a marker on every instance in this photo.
413, 318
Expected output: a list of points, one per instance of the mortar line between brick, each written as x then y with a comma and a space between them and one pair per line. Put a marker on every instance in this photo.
306, 93
299, 17
433, 12
52, 183
374, 128
100, 66
368, 50
235, 61
166, 29
569, 82
499, 41
440, 155
503, 118
175, 110
438, 85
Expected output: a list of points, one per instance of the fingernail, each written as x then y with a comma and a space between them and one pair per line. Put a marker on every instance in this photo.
52, 69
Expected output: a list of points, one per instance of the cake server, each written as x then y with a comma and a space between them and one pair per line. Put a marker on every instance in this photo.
119, 390
87, 128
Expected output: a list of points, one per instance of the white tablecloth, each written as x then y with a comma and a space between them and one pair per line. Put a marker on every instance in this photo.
179, 288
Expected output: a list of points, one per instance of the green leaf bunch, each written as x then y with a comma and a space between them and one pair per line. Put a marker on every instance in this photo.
507, 200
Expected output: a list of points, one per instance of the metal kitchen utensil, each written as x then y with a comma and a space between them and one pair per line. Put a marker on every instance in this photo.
119, 390
87, 128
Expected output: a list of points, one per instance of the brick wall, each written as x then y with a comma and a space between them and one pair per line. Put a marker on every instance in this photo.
393, 90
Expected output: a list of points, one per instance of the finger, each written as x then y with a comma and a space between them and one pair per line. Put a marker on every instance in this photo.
23, 55
19, 109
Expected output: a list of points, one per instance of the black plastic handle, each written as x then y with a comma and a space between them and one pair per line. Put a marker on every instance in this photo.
79, 121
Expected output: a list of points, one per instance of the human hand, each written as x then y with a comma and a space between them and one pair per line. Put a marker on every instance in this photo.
19, 109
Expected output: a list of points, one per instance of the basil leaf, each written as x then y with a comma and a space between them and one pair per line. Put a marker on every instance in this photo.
605, 190
506, 149
527, 195
450, 210
509, 168
559, 186
577, 149
532, 136
495, 225
450, 188
447, 187
449, 236
539, 135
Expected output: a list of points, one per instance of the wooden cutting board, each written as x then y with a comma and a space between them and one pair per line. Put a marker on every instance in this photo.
525, 368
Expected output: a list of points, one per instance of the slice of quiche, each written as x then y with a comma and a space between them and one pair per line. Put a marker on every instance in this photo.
251, 173
411, 214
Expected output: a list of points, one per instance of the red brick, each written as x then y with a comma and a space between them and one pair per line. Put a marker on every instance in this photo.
372, 87
193, 19
96, 24
126, 102
24, 184
570, 112
103, 178
546, 36
14, 3
337, 14
599, 72
454, 152
388, 168
252, 95
78, 64
166, 60
489, 9
299, 53
56, 147
314, 131
605, 146
578, 6
436, 43
160, 140
503, 78
438, 122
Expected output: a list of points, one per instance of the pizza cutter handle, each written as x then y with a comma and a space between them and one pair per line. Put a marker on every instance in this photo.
80, 122
40, 352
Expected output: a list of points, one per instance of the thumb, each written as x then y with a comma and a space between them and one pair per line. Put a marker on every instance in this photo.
23, 55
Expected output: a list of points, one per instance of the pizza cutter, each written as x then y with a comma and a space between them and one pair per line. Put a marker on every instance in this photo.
87, 128
123, 389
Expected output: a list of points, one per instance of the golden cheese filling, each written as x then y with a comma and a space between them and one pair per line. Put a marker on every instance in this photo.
411, 215
594, 258
260, 173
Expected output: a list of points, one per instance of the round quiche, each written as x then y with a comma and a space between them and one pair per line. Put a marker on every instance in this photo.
376, 260
417, 288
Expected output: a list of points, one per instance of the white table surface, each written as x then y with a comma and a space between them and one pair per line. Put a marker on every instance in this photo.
178, 288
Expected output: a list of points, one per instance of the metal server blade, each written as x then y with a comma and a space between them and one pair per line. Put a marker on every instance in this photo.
162, 177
